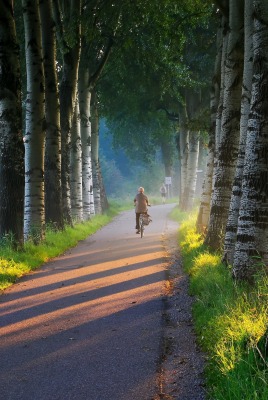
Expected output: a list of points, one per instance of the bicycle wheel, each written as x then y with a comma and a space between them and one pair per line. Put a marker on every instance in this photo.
141, 226
142, 229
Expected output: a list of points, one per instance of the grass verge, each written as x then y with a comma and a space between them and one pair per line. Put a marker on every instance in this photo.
14, 264
230, 319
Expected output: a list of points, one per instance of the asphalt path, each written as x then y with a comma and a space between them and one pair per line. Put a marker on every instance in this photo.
88, 325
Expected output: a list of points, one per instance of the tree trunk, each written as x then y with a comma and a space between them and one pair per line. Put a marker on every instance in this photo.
232, 223
11, 140
67, 101
104, 199
100, 199
189, 191
76, 168
71, 13
84, 103
204, 209
251, 250
184, 148
179, 177
34, 218
229, 140
53, 200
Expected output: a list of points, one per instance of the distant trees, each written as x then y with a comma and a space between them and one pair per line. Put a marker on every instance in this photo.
151, 79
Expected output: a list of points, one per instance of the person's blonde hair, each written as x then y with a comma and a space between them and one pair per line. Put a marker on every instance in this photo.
141, 189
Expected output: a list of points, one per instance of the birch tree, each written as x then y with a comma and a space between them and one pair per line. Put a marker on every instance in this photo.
76, 167
53, 195
89, 74
232, 223
204, 208
11, 140
67, 17
229, 140
87, 180
34, 215
183, 147
251, 249
97, 187
192, 169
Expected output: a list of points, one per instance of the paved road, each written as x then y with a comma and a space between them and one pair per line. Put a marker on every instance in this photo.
88, 324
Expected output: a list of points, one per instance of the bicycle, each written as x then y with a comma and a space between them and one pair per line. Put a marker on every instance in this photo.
144, 220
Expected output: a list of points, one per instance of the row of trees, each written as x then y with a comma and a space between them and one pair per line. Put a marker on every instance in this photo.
163, 94
234, 206
233, 210
65, 63
145, 67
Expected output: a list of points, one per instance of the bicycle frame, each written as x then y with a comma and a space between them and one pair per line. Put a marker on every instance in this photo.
142, 224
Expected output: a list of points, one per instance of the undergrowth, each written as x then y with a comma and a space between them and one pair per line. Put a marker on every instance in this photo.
14, 264
230, 319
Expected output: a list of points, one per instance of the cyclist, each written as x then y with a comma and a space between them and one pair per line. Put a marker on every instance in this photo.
141, 202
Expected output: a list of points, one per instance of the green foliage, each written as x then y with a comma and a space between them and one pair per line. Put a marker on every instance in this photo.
231, 321
156, 55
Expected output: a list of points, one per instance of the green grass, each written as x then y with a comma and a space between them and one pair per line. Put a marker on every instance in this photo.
230, 319
14, 264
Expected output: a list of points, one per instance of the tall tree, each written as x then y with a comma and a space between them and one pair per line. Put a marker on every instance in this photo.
99, 26
53, 195
34, 218
204, 209
67, 17
84, 104
232, 223
76, 167
251, 250
11, 140
229, 137
100, 200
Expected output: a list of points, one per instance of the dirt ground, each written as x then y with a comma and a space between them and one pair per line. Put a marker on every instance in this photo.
181, 369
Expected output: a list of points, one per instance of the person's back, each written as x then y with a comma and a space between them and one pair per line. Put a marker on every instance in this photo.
141, 202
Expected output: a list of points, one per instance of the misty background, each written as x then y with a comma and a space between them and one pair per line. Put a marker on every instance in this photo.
122, 175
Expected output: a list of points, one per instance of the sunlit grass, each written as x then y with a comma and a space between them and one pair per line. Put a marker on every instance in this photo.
230, 319
14, 264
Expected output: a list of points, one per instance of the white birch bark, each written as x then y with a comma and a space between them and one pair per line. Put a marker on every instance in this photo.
84, 103
229, 140
53, 200
191, 171
251, 250
232, 223
184, 149
183, 146
204, 209
34, 212
71, 13
11, 140
95, 154
76, 168
223, 52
